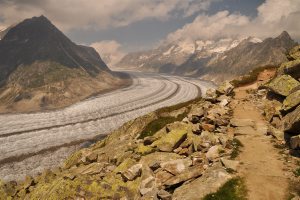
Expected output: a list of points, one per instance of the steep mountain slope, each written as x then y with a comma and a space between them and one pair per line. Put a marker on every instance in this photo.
39, 63
213, 60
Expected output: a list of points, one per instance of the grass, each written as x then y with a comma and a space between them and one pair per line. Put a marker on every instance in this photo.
234, 189
251, 76
161, 122
236, 148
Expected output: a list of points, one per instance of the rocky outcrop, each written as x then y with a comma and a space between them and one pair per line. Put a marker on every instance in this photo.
191, 153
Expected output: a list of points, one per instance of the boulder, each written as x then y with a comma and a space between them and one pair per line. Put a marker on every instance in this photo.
225, 88
208, 127
211, 94
291, 101
144, 150
282, 85
195, 114
162, 176
241, 122
170, 141
164, 195
213, 152
291, 122
176, 166
230, 164
133, 172
291, 68
211, 180
276, 133
295, 52
147, 185
193, 172
295, 142
177, 126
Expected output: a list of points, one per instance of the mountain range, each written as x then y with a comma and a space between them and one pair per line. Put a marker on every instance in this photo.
212, 60
39, 64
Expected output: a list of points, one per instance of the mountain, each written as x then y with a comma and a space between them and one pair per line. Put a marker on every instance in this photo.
223, 59
38, 61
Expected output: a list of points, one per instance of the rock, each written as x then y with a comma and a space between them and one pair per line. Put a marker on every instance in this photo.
28, 182
210, 94
148, 185
208, 127
176, 166
177, 126
188, 174
213, 152
133, 172
262, 128
291, 68
291, 122
164, 195
225, 88
197, 158
92, 157
170, 141
209, 137
144, 150
149, 140
196, 114
291, 101
295, 142
295, 52
230, 164
282, 85
162, 176
241, 122
196, 129
276, 133
208, 183
224, 103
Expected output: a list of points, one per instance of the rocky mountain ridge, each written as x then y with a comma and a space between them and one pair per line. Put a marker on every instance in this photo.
38, 63
212, 60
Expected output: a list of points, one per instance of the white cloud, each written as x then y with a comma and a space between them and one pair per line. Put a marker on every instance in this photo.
70, 14
274, 16
110, 51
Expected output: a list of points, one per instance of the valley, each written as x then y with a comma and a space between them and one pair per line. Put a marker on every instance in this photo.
35, 141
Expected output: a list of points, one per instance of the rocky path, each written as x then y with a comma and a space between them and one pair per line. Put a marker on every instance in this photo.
260, 161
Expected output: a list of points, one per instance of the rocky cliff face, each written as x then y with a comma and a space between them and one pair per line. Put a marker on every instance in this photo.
213, 60
38, 63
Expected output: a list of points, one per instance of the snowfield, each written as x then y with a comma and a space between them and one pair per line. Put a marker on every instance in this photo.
32, 142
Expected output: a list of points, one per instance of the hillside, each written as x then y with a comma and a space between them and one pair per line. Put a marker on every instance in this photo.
39, 63
212, 60
236, 143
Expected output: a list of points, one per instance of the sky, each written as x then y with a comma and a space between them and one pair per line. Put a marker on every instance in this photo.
116, 27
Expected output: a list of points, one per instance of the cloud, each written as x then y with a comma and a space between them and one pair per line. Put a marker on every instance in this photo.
110, 51
274, 16
69, 14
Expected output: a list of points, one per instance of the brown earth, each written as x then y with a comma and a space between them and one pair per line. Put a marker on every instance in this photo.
261, 167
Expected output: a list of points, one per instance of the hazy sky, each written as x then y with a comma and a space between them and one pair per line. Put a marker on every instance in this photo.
120, 26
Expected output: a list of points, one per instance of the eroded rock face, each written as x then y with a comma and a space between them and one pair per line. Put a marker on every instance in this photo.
291, 101
210, 182
291, 122
282, 85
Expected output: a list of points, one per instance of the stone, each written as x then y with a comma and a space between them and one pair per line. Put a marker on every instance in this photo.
213, 152
144, 150
295, 52
291, 68
164, 195
262, 128
241, 122
291, 122
225, 88
195, 114
177, 126
28, 182
197, 158
210, 94
92, 157
192, 172
209, 137
162, 176
170, 141
230, 164
282, 85
211, 180
295, 142
133, 172
176, 167
208, 127
224, 103
291, 101
147, 185
149, 140
276, 133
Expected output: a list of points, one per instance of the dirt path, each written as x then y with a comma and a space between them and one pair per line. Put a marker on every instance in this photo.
260, 161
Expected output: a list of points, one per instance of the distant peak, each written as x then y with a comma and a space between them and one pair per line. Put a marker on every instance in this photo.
284, 35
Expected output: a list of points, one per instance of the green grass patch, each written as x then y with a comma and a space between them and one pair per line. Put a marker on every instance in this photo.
161, 122
236, 148
251, 76
297, 172
234, 189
